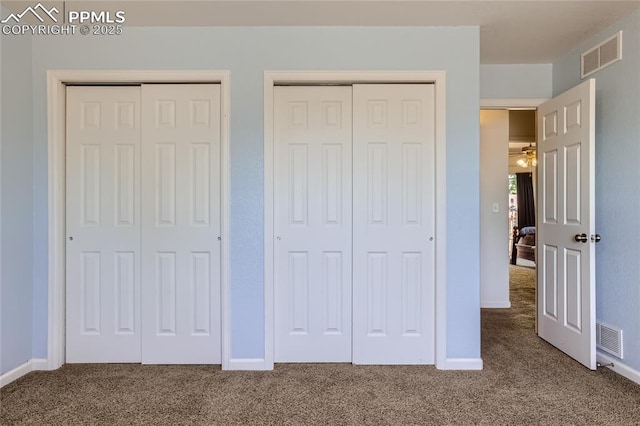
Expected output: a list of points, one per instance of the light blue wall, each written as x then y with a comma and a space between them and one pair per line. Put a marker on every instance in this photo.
247, 52
16, 215
617, 180
516, 81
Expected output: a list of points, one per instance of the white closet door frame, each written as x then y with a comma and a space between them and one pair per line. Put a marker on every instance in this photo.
56, 94
438, 78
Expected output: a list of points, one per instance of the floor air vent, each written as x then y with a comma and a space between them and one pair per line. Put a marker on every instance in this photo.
606, 53
609, 339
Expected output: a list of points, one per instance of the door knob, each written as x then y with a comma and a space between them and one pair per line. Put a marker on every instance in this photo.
596, 238
581, 238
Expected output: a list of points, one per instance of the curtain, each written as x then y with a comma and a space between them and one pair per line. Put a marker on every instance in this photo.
526, 208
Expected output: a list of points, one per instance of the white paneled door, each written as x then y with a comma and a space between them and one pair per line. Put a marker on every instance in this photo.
566, 223
312, 209
354, 224
181, 224
143, 224
103, 224
393, 224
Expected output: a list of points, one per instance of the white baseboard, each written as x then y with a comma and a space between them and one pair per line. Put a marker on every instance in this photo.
16, 373
247, 364
35, 364
40, 364
619, 367
495, 304
461, 364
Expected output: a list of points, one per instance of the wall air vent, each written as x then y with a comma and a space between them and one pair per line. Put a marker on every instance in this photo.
606, 53
609, 339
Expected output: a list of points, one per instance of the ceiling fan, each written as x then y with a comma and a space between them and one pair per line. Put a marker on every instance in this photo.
527, 157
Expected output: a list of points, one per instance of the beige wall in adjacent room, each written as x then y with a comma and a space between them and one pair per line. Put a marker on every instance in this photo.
494, 233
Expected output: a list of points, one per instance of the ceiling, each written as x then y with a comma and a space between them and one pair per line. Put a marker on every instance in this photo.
510, 31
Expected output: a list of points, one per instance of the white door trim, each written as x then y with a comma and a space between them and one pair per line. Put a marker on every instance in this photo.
349, 77
56, 80
511, 103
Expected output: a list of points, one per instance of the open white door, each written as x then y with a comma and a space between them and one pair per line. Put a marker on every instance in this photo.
566, 223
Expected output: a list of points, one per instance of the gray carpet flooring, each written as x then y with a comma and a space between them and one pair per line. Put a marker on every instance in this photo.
524, 381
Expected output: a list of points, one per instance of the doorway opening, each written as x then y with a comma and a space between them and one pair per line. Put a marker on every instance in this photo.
508, 220
507, 164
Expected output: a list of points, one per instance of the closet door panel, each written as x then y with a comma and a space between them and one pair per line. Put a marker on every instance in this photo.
103, 224
312, 206
393, 224
181, 224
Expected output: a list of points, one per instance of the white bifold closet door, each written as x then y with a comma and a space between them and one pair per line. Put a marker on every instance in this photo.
312, 211
181, 224
103, 224
143, 222
354, 224
393, 224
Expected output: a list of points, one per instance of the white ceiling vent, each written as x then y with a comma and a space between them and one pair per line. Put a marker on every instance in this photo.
606, 53
609, 339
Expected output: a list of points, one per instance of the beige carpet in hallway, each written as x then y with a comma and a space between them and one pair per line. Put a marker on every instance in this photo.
524, 381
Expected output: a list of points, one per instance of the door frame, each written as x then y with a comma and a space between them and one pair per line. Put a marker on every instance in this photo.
56, 162
438, 78
512, 103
